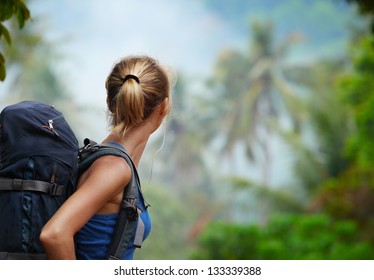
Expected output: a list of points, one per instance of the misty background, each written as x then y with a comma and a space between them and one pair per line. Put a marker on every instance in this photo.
240, 146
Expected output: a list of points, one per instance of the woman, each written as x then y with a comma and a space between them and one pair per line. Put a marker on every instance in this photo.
138, 98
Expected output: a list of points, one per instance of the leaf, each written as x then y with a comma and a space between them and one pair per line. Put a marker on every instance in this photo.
6, 10
2, 59
2, 68
4, 31
20, 18
22, 14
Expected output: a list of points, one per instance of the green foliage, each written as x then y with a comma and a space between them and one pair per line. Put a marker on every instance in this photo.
349, 196
9, 8
357, 89
286, 237
320, 143
2, 67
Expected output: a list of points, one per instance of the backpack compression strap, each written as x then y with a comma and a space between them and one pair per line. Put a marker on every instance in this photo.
128, 220
22, 256
10, 184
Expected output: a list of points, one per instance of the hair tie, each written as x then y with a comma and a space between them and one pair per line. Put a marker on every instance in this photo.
130, 76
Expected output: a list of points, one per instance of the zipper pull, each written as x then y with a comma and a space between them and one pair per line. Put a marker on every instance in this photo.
50, 124
51, 128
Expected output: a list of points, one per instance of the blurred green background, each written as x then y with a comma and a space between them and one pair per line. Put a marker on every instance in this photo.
269, 150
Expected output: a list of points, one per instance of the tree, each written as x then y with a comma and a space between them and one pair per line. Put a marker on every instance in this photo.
357, 89
253, 97
319, 144
350, 195
8, 9
254, 93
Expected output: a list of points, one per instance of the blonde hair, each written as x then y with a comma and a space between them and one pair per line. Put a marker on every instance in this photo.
132, 100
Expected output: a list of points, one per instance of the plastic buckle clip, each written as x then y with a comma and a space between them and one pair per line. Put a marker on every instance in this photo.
54, 190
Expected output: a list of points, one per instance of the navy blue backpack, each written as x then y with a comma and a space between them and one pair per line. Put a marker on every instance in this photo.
40, 162
38, 172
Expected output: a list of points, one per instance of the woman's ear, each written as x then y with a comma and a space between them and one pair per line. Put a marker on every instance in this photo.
159, 113
164, 107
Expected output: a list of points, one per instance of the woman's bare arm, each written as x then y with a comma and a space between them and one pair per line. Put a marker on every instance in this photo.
106, 177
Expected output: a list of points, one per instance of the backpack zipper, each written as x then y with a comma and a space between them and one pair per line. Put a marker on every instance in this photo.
51, 128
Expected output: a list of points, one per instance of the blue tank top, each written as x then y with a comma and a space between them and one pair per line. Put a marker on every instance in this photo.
93, 240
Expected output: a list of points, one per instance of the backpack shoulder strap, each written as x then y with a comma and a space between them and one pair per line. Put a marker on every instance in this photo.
128, 220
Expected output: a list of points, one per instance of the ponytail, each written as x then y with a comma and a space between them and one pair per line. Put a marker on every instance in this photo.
129, 111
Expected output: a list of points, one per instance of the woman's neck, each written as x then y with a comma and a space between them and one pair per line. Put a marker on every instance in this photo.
136, 138
134, 141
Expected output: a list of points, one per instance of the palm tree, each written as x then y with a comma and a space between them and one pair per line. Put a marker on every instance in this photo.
254, 94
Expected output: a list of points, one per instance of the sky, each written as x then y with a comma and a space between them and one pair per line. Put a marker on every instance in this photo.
96, 33
185, 35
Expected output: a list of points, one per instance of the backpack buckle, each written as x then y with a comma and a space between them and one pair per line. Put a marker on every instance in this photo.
55, 189
132, 213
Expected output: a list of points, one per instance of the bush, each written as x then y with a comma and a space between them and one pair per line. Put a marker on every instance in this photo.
286, 237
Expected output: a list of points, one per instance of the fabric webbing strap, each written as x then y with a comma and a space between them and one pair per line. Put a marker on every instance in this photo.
22, 256
9, 184
138, 241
